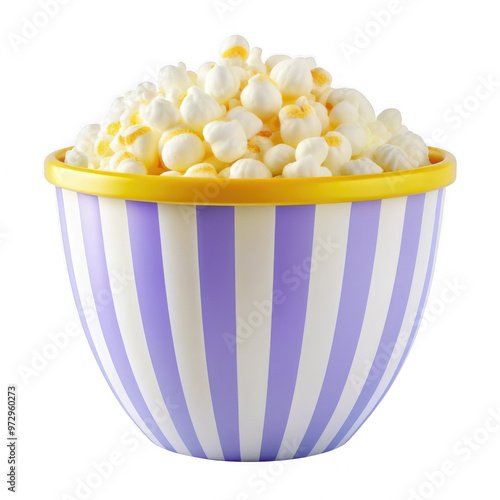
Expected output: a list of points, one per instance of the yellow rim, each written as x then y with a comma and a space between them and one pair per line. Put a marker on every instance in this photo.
303, 191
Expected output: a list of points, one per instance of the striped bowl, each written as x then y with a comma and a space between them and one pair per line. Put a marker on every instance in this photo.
250, 331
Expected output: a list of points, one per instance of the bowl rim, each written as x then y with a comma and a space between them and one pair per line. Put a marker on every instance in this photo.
441, 172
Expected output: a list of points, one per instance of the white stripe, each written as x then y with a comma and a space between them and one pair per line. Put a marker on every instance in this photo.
82, 278
390, 232
179, 242
119, 262
254, 256
331, 229
414, 298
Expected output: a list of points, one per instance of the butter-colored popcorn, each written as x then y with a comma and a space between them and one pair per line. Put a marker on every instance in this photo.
227, 139
181, 148
261, 97
142, 142
86, 139
125, 162
299, 122
251, 123
361, 166
391, 158
221, 83
414, 147
344, 112
174, 78
278, 157
201, 170
76, 158
306, 167
254, 61
257, 147
248, 168
199, 108
316, 147
355, 135
160, 114
293, 77
102, 145
339, 152
322, 80
216, 163
235, 49
391, 118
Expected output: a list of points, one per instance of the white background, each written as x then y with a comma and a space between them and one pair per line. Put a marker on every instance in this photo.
428, 61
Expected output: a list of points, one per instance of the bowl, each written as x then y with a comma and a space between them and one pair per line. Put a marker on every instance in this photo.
250, 319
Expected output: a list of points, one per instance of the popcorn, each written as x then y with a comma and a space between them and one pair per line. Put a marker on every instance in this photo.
278, 157
243, 118
222, 84
322, 114
299, 122
201, 170
315, 147
322, 80
272, 61
142, 141
250, 122
306, 167
198, 109
414, 146
181, 148
355, 135
261, 97
76, 158
87, 138
227, 139
257, 147
160, 114
254, 62
339, 152
391, 158
344, 112
331, 97
174, 78
249, 169
235, 50
126, 163
391, 118
361, 166
294, 77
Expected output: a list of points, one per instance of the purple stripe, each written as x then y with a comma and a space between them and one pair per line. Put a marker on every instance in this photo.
76, 294
292, 257
99, 279
421, 307
360, 255
402, 286
215, 227
145, 241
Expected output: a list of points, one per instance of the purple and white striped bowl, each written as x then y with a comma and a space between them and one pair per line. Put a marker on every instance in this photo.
250, 333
